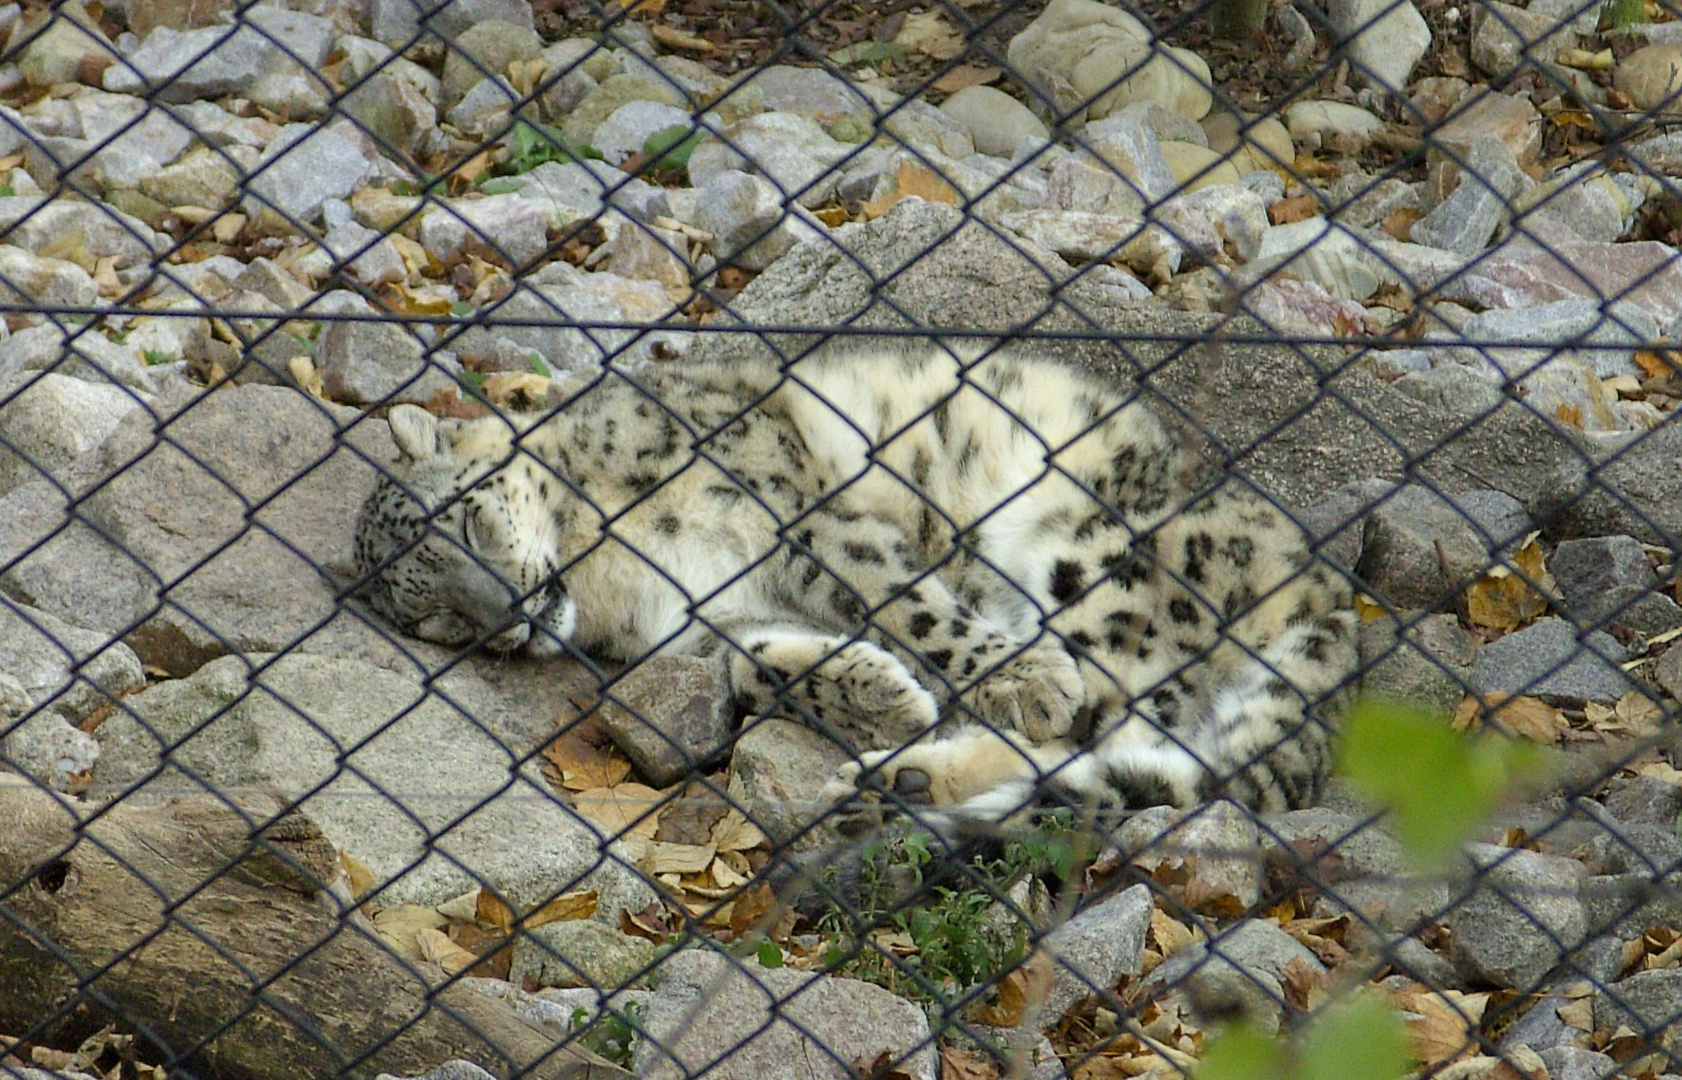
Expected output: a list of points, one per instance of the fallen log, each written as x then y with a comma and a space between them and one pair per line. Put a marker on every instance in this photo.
216, 943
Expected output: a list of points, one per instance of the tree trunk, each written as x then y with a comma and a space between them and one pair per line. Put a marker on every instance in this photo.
175, 923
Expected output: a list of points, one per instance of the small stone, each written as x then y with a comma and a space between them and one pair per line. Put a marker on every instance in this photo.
1644, 800
1668, 673
1464, 222
996, 122
392, 109
1383, 41
202, 178
812, 92
1604, 335
1427, 666
364, 361
1420, 550
775, 769
579, 953
1651, 76
305, 166
1243, 964
1608, 579
48, 421
1195, 167
485, 48
1552, 658
1361, 203
1508, 39
608, 98
397, 23
1325, 123
715, 1013
750, 225
1645, 1002
210, 62
62, 41
1512, 120
792, 152
1093, 950
1216, 844
508, 227
1090, 60
670, 714
574, 190
62, 668
1524, 917
373, 258
628, 128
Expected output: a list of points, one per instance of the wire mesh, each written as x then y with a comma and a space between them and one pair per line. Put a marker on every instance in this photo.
829, 539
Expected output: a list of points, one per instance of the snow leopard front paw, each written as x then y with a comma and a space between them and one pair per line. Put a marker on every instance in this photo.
1037, 692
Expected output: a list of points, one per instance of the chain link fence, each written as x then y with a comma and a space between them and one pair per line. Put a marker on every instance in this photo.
560, 775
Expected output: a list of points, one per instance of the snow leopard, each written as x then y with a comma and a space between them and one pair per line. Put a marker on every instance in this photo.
988, 572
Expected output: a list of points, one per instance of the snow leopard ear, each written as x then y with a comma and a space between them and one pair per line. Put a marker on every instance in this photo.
416, 432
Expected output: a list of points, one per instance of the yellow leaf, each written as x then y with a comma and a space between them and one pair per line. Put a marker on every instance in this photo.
930, 34
1444, 1028
1368, 608
520, 391
733, 832
1503, 600
399, 925
305, 374
432, 300
914, 180
437, 947
660, 858
583, 765
1527, 717
357, 873
629, 811
1658, 365
961, 77
568, 907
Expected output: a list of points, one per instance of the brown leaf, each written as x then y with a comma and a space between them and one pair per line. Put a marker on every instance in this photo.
673, 38
734, 832
1527, 717
1288, 211
1010, 998
583, 763
568, 907
960, 77
1659, 365
914, 180
628, 811
437, 947
930, 34
520, 391
1445, 1027
1504, 600
648, 923
754, 909
358, 876
1399, 223
1299, 980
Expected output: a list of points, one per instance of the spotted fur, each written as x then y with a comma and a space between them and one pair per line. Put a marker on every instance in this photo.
881, 542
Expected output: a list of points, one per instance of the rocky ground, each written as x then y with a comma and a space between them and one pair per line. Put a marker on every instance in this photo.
225, 250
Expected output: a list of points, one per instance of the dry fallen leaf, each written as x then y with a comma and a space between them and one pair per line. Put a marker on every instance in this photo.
519, 391
1504, 600
583, 765
1528, 717
1297, 208
437, 947
673, 38
914, 180
629, 811
568, 907
398, 927
930, 34
359, 877
658, 858
306, 375
961, 77
1444, 1028
735, 832
958, 1064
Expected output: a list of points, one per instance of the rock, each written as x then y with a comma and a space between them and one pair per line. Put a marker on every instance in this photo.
483, 50
1464, 222
1646, 1002
1329, 123
393, 110
1633, 489
1420, 550
202, 178
1195, 167
1512, 120
790, 151
1643, 800
291, 728
1524, 917
506, 227
1650, 851
1608, 579
749, 223
1081, 238
1603, 335
1090, 59
372, 257
1508, 39
1094, 949
60, 42
1382, 41
1541, 1027
1575, 1063
86, 355
646, 253
1551, 658
1241, 964
1336, 522
46, 422
580, 953
28, 278
397, 23
1668, 673
545, 312
1360, 202
46, 746
1568, 390
261, 59
367, 360
670, 714
305, 166
996, 122
1428, 665
627, 130
1215, 844
455, 1069
606, 99
776, 769
1650, 75
1314, 250
1589, 204
62, 668
572, 191
716, 1012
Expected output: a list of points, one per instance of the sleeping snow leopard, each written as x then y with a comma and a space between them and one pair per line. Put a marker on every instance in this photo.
982, 567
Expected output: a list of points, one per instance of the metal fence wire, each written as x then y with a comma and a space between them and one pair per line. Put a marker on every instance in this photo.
958, 540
